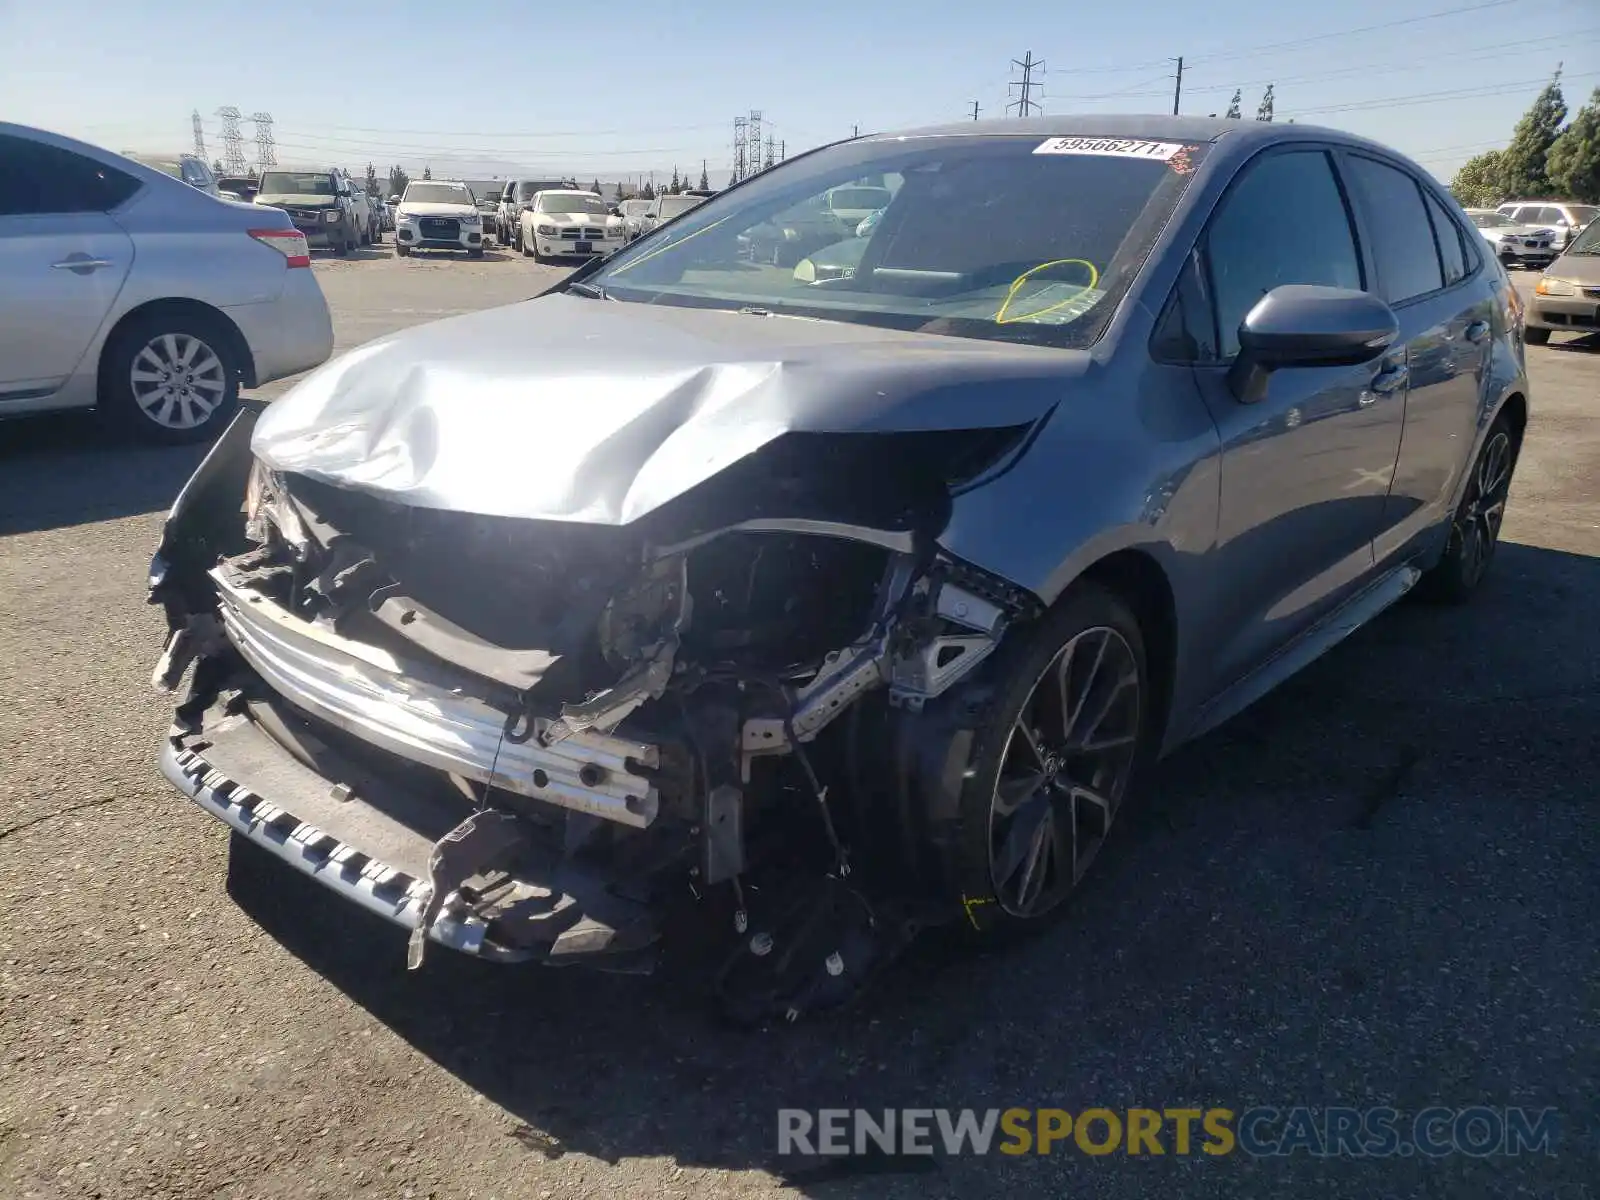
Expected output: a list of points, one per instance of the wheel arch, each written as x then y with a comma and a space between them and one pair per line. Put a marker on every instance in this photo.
177, 306
1515, 409
1138, 579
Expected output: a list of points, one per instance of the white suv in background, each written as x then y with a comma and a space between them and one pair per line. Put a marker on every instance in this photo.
1563, 216
438, 214
571, 224
128, 290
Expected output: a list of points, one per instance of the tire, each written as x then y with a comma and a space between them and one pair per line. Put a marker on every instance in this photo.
1536, 337
192, 348
476, 252
402, 251
1092, 640
1475, 528
527, 250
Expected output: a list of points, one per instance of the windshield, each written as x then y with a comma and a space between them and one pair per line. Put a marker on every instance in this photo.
1005, 237
1490, 220
635, 208
296, 183
557, 202
672, 206
1587, 242
1583, 214
436, 193
867, 198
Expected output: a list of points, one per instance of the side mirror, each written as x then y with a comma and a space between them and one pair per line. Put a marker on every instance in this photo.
1306, 325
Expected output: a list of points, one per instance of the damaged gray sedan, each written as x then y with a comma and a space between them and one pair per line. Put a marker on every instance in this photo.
814, 611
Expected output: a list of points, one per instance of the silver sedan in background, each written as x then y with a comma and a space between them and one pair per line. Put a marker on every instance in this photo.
126, 290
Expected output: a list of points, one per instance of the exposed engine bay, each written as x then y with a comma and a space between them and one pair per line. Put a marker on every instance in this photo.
537, 740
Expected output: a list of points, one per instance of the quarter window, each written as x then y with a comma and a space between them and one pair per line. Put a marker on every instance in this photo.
1284, 221
1402, 239
1448, 235
36, 179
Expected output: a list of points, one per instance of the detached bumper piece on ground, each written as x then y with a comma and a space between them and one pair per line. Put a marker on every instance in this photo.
687, 729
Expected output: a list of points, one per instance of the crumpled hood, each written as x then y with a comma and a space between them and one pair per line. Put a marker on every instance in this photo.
571, 409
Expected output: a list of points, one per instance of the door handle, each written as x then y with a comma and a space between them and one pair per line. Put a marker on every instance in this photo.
1477, 331
81, 264
1387, 381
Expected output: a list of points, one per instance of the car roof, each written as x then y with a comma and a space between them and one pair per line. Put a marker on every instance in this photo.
1144, 126
568, 192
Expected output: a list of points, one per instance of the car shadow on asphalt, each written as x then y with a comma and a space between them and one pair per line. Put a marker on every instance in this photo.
1319, 859
1588, 341
65, 469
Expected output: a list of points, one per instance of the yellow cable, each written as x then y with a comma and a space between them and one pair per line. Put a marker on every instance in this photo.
1000, 317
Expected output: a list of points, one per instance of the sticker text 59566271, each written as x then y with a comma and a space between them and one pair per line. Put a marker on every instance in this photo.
1117, 147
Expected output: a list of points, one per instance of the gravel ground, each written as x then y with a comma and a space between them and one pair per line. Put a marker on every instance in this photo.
1376, 887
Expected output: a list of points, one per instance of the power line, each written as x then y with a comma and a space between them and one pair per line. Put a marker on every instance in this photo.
1025, 104
1249, 51
1499, 89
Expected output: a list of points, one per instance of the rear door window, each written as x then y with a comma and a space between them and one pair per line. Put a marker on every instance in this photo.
1448, 235
36, 179
1397, 222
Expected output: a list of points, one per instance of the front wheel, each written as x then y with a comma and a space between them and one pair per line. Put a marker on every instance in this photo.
1068, 726
170, 379
475, 252
402, 251
1475, 529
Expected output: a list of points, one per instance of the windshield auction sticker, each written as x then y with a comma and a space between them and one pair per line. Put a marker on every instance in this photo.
1115, 147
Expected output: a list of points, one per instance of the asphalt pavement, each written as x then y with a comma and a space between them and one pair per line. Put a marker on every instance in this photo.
1376, 887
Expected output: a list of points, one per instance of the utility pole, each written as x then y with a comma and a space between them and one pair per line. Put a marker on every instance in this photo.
1025, 104
752, 158
233, 162
766, 163
266, 152
199, 135
738, 149
1177, 88
974, 110
855, 131
782, 153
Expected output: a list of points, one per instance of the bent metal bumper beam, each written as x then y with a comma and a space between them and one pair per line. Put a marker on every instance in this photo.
369, 693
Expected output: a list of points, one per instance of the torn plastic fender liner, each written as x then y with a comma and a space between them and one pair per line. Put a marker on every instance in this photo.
206, 521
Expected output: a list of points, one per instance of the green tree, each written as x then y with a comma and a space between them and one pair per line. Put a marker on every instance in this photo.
216, 165
676, 185
1233, 105
649, 192
1477, 183
595, 187
618, 196
1523, 171
1574, 159
427, 172
1264, 110
705, 180
398, 180
372, 180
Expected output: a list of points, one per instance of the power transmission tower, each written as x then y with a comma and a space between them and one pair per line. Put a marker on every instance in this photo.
1025, 104
974, 110
199, 135
1264, 112
738, 149
1177, 88
266, 151
767, 159
233, 162
782, 154
753, 132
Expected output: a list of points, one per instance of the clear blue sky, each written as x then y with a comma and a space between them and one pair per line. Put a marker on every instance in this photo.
653, 85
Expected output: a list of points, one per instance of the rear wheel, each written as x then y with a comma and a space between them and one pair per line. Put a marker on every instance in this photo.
170, 379
1475, 531
1535, 337
402, 251
1068, 727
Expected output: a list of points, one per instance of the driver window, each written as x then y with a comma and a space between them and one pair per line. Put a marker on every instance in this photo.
1283, 221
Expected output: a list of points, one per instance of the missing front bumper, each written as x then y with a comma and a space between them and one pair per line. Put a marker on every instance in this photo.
372, 845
